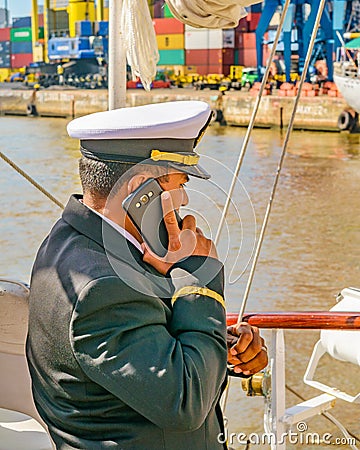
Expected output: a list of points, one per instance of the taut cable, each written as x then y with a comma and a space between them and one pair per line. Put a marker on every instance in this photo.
251, 124
282, 157
31, 180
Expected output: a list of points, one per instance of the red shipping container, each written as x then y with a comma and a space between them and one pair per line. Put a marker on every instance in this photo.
226, 69
204, 57
4, 34
21, 60
168, 26
253, 20
41, 20
228, 56
247, 57
205, 69
243, 26
245, 40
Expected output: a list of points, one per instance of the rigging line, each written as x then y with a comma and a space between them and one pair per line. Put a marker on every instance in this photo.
243, 150
31, 180
251, 124
326, 414
282, 157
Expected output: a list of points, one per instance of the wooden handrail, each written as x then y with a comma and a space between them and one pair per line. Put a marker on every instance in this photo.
306, 320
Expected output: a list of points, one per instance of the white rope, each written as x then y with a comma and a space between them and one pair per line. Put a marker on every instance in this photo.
210, 13
140, 40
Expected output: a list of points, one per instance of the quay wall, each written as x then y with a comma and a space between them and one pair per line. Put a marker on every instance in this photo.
314, 113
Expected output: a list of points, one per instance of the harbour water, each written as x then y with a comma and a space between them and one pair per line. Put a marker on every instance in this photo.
310, 253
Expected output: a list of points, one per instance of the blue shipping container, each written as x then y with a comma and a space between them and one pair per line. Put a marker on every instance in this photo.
83, 43
21, 47
22, 22
5, 61
257, 8
5, 54
102, 28
4, 46
83, 28
59, 48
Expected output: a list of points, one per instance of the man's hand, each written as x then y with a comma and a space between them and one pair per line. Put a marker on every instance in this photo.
182, 243
246, 349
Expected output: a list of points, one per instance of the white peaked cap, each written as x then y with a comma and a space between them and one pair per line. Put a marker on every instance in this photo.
166, 133
175, 120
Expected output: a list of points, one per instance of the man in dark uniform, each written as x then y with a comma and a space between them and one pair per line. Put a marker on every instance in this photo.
127, 350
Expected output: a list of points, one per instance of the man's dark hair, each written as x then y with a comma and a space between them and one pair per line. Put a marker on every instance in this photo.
100, 177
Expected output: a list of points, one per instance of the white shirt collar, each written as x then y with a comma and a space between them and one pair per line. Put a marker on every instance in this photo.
118, 228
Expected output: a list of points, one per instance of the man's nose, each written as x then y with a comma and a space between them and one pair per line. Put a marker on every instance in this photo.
185, 198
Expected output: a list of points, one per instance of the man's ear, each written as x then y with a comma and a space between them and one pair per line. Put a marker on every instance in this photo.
136, 181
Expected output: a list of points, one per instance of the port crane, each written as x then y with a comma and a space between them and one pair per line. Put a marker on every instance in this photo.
337, 17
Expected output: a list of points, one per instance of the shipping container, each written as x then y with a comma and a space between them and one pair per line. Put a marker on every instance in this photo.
62, 48
168, 26
257, 8
203, 57
228, 38
101, 28
167, 12
21, 60
59, 48
5, 34
228, 56
243, 26
205, 69
41, 20
246, 57
253, 19
5, 61
83, 28
203, 38
21, 47
20, 34
5, 52
5, 46
245, 40
170, 41
21, 22
171, 57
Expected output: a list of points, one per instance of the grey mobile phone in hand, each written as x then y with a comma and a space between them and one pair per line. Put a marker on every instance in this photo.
145, 211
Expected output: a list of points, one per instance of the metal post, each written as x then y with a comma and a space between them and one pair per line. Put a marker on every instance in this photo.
117, 58
277, 364
46, 30
34, 24
100, 10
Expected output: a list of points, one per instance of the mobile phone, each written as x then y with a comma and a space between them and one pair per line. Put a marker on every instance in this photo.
145, 211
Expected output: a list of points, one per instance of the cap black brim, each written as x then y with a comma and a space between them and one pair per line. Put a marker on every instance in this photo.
194, 171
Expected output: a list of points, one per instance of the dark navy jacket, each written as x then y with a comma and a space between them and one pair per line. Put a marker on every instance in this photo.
113, 364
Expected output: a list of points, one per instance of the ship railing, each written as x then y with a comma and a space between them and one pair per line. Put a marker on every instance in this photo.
280, 420
347, 69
